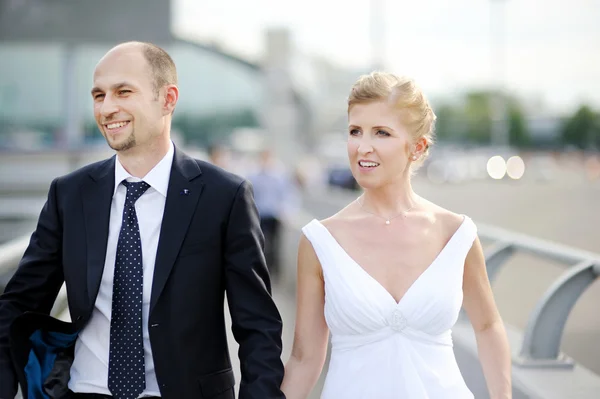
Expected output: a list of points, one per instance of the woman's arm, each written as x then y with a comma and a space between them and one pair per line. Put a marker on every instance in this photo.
311, 333
492, 343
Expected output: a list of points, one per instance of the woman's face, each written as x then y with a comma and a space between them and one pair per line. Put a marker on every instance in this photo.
378, 144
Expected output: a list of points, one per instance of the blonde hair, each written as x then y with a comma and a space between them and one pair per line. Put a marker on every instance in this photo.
405, 95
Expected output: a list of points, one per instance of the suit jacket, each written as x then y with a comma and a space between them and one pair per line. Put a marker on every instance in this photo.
210, 246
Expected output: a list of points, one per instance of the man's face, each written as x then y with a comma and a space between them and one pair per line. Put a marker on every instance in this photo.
126, 105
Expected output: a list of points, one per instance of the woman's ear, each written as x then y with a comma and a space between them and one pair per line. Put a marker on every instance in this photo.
419, 148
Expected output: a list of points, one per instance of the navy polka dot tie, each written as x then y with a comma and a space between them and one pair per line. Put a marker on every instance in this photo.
126, 370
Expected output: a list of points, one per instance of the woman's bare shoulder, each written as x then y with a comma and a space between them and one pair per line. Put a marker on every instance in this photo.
447, 220
342, 217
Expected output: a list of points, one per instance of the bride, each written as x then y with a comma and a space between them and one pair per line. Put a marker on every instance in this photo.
388, 274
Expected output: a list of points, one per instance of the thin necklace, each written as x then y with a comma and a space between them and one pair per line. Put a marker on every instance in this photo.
387, 220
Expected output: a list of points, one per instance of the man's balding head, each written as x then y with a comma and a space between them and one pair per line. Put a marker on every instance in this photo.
162, 67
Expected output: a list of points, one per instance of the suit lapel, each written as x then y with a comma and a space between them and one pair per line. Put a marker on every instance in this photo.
97, 197
182, 198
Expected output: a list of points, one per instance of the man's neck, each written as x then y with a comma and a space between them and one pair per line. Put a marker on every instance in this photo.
139, 161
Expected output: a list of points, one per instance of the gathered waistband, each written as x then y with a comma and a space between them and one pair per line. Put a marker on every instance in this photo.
352, 341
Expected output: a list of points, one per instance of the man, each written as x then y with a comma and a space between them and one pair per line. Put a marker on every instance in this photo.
148, 243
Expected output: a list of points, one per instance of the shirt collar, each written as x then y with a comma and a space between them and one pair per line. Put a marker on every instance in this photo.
157, 178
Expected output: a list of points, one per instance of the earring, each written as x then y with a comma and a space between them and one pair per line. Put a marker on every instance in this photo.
414, 157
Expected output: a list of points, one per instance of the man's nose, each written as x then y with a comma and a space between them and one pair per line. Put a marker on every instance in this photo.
108, 107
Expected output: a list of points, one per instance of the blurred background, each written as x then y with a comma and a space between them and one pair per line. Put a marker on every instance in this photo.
263, 85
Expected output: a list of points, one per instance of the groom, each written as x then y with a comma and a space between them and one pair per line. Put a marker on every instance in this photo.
148, 242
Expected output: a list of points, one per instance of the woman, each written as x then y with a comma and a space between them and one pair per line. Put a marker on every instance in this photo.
386, 274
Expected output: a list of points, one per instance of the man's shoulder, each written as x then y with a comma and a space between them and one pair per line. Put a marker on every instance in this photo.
213, 174
94, 170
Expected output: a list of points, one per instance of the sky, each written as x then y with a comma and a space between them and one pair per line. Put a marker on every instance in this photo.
551, 48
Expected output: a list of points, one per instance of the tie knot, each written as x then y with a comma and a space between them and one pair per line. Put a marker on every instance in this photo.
135, 190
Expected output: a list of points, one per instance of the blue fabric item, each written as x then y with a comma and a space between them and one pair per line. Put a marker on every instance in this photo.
45, 345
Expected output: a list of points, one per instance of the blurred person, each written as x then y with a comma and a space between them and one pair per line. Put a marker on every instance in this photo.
219, 155
148, 243
386, 275
276, 197
311, 173
592, 167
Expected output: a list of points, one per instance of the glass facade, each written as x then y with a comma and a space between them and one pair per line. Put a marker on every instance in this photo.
217, 92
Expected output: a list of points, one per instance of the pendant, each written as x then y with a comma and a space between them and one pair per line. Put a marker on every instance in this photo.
387, 222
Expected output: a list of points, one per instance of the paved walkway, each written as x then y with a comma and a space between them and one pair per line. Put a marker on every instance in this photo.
285, 300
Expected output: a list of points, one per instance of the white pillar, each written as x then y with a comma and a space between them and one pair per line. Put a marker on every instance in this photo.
279, 112
72, 135
499, 111
377, 33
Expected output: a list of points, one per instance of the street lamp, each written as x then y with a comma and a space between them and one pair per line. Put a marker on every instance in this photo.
499, 108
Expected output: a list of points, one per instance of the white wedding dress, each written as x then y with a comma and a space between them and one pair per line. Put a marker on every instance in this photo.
387, 350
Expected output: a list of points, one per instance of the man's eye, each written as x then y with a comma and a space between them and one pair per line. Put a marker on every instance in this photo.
124, 91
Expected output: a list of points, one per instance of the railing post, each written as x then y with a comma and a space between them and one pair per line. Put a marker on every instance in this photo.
541, 343
10, 255
495, 257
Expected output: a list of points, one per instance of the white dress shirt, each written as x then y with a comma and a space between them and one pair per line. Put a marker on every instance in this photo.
89, 372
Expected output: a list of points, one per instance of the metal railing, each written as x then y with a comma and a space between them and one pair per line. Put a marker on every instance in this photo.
544, 330
10, 255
